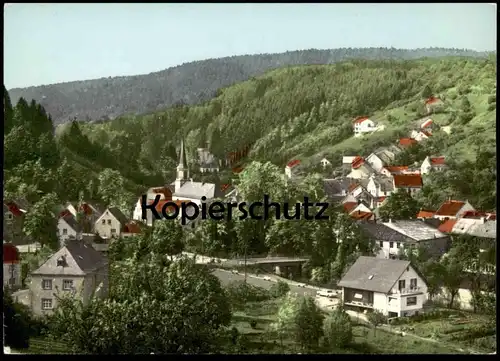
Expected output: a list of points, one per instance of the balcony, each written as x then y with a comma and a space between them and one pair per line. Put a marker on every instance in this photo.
358, 304
407, 291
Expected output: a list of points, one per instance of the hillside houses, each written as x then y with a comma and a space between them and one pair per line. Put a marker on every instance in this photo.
420, 135
452, 209
432, 103
429, 164
292, 168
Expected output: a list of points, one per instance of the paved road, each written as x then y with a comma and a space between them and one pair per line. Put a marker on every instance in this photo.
227, 277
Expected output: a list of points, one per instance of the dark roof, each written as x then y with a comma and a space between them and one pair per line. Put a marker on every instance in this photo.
86, 257
380, 232
385, 273
335, 187
72, 222
118, 215
433, 222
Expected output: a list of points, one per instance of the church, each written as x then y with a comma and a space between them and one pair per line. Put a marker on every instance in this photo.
182, 190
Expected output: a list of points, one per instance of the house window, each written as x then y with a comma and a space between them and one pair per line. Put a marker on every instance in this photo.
413, 283
401, 285
103, 221
9, 216
391, 244
411, 301
381, 244
113, 230
46, 303
109, 222
47, 284
67, 284
65, 231
398, 245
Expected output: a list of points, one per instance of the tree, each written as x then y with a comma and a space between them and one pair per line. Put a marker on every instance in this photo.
177, 307
337, 329
16, 318
465, 104
167, 238
40, 223
426, 92
300, 318
452, 276
376, 318
400, 205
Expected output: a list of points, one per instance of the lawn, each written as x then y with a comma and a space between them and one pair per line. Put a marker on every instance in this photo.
44, 346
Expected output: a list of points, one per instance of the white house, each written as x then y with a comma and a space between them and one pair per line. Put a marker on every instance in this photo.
75, 269
392, 287
68, 228
420, 135
380, 186
363, 125
11, 266
111, 223
360, 169
325, 162
292, 168
432, 163
452, 209
411, 183
207, 161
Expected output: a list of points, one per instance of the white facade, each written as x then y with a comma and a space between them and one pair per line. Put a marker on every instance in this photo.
361, 208
418, 135
363, 127
325, 162
374, 189
466, 207
375, 162
426, 166
66, 232
108, 226
363, 172
389, 249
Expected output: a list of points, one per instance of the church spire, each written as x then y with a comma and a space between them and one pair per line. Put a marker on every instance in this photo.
182, 169
182, 157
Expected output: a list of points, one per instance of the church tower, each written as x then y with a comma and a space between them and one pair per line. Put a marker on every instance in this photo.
182, 169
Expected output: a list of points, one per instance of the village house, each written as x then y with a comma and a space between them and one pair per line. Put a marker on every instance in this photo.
11, 266
480, 228
411, 183
452, 209
292, 168
426, 124
389, 171
111, 223
165, 194
75, 269
380, 186
393, 287
420, 135
68, 228
425, 214
336, 189
13, 222
432, 164
394, 237
207, 162
360, 169
358, 210
89, 212
347, 162
363, 125
325, 163
406, 142
382, 158
432, 103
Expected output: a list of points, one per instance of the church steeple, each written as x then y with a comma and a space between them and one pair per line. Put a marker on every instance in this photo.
182, 168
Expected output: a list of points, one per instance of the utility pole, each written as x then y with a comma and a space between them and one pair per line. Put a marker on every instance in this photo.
245, 262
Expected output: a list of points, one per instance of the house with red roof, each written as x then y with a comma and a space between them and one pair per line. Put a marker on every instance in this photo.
408, 182
432, 103
406, 142
427, 124
11, 266
363, 125
420, 135
429, 164
447, 226
360, 169
452, 209
425, 214
13, 221
292, 168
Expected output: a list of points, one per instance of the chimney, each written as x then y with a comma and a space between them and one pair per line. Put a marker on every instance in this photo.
390, 220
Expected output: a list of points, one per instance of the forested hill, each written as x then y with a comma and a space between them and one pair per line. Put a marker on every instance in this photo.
189, 83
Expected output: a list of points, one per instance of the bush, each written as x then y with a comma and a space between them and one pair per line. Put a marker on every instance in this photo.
492, 99
279, 289
337, 329
492, 106
241, 292
253, 324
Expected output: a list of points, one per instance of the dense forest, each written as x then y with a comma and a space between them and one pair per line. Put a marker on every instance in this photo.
190, 83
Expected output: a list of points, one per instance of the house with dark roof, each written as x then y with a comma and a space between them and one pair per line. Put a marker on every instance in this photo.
11, 266
110, 223
452, 209
76, 269
393, 287
336, 189
68, 228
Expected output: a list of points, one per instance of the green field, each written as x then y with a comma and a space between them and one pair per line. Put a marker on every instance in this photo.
40, 346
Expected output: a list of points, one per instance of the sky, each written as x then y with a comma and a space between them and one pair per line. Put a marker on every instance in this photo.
54, 43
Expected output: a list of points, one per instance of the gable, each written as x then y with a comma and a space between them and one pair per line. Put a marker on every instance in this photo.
50, 267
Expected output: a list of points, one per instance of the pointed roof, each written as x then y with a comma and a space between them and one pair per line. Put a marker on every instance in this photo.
182, 157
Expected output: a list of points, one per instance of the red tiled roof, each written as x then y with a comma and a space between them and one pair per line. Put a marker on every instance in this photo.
357, 162
406, 142
492, 217
132, 227
407, 180
437, 161
14, 209
473, 214
447, 226
224, 187
361, 215
450, 208
396, 169
432, 100
360, 120
425, 214
349, 206
163, 190
426, 123
10, 253
293, 163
